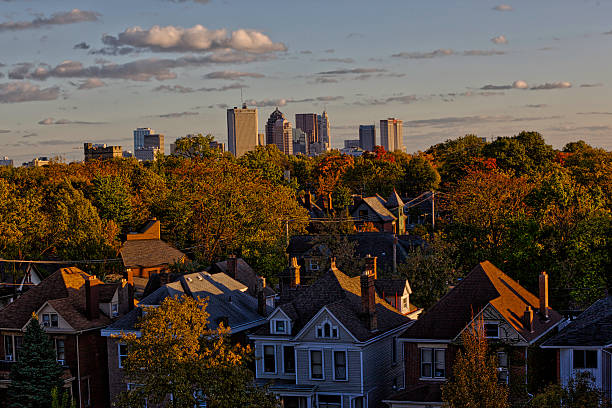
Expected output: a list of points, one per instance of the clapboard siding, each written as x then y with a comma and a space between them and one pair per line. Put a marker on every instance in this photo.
353, 385
380, 370
259, 349
310, 332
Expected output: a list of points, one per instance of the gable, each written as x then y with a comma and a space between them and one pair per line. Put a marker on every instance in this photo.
47, 309
506, 332
278, 313
310, 331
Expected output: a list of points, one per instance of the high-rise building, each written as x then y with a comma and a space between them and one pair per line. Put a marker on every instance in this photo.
300, 142
154, 141
6, 162
367, 137
139, 135
351, 143
324, 132
101, 151
241, 130
283, 136
274, 116
391, 137
309, 123
152, 144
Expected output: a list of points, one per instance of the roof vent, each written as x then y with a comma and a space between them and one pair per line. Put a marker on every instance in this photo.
200, 277
189, 279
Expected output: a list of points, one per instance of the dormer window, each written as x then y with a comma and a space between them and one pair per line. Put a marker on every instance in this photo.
327, 331
50, 320
114, 309
280, 326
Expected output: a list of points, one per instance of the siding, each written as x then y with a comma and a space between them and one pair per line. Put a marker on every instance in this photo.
329, 385
380, 371
259, 352
310, 334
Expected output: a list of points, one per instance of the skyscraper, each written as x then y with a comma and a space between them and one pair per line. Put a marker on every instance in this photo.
391, 137
324, 133
241, 130
283, 136
300, 142
139, 135
149, 144
309, 123
274, 116
367, 137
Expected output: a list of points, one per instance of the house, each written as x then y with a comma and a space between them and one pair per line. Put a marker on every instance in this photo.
15, 279
229, 302
330, 344
72, 306
585, 344
514, 320
144, 253
386, 215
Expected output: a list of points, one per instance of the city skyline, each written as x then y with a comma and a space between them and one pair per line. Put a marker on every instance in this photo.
75, 72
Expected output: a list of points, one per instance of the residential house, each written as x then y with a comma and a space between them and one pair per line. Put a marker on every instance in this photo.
228, 302
15, 279
330, 344
513, 318
585, 345
144, 253
72, 306
385, 215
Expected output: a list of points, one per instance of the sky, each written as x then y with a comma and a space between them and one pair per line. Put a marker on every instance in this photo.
75, 71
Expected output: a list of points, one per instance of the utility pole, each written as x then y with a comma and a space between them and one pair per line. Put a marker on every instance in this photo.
433, 210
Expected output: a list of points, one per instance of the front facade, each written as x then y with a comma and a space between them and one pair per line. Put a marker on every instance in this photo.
139, 135
282, 136
332, 344
324, 130
391, 134
367, 137
241, 130
308, 123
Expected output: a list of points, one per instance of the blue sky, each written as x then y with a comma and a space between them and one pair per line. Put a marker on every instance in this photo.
446, 68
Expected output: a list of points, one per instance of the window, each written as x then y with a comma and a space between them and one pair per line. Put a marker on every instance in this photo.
280, 326
316, 364
433, 363
491, 330
289, 359
50, 320
18, 341
340, 366
585, 359
327, 331
502, 362
330, 401
9, 354
114, 309
269, 359
405, 303
314, 265
123, 353
60, 351
358, 402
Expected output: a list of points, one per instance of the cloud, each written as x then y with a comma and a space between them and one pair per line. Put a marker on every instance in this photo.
342, 60
351, 71
306, 52
89, 83
608, 32
232, 75
515, 85
177, 115
591, 85
539, 105
500, 39
13, 92
325, 80
523, 85
20, 70
5, 131
569, 128
31, 134
503, 7
81, 46
355, 35
283, 101
594, 113
195, 39
445, 52
330, 51
552, 85
452, 121
186, 89
482, 53
52, 121
68, 17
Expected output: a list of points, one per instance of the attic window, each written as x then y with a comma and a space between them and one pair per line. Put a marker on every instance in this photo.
327, 331
491, 330
50, 320
114, 309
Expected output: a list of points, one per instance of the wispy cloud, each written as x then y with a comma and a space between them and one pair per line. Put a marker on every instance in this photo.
68, 17
232, 75
89, 83
503, 7
446, 52
536, 106
177, 115
500, 39
523, 85
341, 60
453, 121
186, 89
81, 46
552, 85
52, 121
594, 113
286, 101
591, 85
351, 71
14, 92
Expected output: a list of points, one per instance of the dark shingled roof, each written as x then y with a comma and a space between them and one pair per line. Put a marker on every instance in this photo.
593, 327
65, 292
485, 284
390, 287
418, 393
245, 275
394, 200
377, 204
148, 253
342, 296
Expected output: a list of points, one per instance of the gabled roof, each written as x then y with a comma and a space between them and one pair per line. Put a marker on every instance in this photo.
485, 284
65, 292
147, 253
390, 287
377, 204
394, 200
341, 294
245, 275
592, 328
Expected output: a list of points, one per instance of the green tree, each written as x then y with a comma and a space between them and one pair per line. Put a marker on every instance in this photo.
36, 372
196, 147
266, 162
112, 200
177, 354
62, 400
419, 176
453, 157
474, 382
580, 392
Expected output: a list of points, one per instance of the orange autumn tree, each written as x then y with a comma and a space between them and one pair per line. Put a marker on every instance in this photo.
176, 354
474, 383
329, 171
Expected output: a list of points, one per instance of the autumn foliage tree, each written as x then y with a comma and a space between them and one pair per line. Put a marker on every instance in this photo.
474, 383
176, 354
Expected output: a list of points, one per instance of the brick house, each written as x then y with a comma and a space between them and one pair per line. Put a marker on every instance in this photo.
514, 320
331, 344
72, 306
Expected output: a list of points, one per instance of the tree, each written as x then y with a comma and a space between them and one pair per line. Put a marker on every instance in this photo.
474, 383
419, 176
580, 392
112, 199
177, 354
61, 400
36, 372
196, 147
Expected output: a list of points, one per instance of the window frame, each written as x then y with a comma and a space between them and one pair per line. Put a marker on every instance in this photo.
433, 363
310, 351
345, 365
263, 358
57, 351
284, 359
334, 332
585, 360
120, 356
284, 324
8, 343
48, 320
114, 309
496, 324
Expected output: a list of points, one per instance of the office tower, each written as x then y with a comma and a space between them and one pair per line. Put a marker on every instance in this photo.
391, 134
6, 162
367, 137
300, 142
139, 135
351, 144
152, 143
324, 133
274, 116
241, 130
101, 151
283, 136
309, 123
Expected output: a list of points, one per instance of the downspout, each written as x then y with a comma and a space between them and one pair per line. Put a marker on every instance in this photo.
78, 371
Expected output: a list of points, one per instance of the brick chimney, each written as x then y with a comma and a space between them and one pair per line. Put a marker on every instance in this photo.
92, 298
232, 266
261, 297
370, 265
368, 297
544, 294
528, 319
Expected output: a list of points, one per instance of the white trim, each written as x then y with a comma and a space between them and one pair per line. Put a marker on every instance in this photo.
415, 340
433, 364
361, 368
458, 336
547, 330
119, 344
346, 370
263, 359
275, 311
575, 347
322, 364
389, 333
316, 316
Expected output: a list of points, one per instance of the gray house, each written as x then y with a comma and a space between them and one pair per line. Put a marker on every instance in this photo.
331, 344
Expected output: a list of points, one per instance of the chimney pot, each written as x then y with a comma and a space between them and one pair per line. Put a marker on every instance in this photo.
232, 266
543, 280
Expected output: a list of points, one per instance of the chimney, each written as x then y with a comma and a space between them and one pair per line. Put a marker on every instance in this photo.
232, 266
261, 297
528, 319
308, 200
544, 294
370, 265
92, 298
368, 297
294, 273
126, 297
